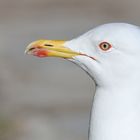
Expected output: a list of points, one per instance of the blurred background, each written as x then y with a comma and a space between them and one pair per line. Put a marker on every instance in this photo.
49, 99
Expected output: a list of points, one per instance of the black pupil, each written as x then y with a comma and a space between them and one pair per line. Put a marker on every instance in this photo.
105, 46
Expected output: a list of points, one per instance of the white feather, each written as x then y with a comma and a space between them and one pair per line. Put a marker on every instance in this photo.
116, 105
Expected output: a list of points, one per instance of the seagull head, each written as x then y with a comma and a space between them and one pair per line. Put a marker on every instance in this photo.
107, 53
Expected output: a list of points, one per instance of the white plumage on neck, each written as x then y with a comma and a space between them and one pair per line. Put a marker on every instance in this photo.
115, 115
116, 105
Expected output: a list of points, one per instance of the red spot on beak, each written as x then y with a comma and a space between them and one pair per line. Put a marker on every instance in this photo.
40, 53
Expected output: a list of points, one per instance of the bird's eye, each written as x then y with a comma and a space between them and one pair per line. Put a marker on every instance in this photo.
105, 46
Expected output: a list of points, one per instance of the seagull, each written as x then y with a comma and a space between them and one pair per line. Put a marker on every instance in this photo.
110, 54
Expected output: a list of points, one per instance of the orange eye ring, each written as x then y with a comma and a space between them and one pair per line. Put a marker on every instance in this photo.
105, 46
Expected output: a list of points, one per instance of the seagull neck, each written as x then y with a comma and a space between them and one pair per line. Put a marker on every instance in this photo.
115, 114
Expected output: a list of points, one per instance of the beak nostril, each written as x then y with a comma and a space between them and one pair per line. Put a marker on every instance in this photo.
49, 45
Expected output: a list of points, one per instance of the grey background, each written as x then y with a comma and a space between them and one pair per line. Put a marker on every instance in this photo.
49, 99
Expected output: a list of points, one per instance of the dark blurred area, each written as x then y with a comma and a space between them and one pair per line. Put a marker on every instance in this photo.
49, 98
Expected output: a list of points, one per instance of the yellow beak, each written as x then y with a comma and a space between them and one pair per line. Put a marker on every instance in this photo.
50, 48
